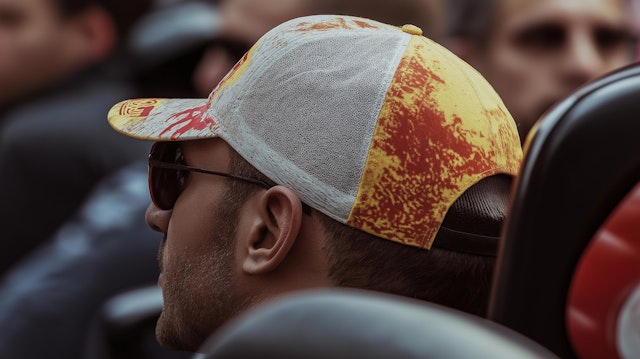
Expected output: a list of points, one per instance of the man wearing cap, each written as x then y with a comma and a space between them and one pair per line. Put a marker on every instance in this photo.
339, 151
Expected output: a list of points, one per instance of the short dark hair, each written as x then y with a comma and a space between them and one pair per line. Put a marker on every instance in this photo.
125, 13
361, 260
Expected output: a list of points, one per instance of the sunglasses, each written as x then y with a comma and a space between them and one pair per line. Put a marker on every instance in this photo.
168, 174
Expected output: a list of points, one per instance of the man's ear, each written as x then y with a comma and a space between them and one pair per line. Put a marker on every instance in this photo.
97, 33
274, 231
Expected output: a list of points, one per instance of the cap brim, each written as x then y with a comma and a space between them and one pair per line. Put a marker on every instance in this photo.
159, 119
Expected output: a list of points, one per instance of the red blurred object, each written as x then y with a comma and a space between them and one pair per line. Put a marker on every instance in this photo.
606, 277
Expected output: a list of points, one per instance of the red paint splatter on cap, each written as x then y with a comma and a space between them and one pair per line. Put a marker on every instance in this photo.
338, 23
192, 119
421, 159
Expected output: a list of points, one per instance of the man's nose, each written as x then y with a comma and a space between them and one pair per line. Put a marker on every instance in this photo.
584, 58
157, 219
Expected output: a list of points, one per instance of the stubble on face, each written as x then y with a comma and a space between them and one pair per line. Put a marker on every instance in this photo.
199, 291
191, 305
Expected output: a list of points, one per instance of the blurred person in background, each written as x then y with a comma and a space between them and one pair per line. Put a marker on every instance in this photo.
107, 248
61, 67
536, 52
43, 42
49, 298
635, 19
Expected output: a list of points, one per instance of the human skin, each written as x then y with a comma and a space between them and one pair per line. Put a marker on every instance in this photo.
213, 292
538, 52
194, 256
39, 46
220, 256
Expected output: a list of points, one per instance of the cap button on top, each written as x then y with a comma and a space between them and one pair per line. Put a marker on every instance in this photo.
412, 29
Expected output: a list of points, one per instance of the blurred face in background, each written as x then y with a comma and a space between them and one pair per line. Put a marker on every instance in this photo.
36, 47
635, 23
539, 51
243, 23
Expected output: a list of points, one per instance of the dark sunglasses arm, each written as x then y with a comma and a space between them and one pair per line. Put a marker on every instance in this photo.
175, 166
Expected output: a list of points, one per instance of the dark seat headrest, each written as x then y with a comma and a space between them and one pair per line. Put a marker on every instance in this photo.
350, 323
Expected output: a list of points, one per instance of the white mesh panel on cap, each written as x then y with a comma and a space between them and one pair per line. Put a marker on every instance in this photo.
311, 112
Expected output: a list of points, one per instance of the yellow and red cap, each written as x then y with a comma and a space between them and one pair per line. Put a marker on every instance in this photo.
375, 126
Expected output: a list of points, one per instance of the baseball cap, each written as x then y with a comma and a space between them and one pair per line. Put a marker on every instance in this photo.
374, 125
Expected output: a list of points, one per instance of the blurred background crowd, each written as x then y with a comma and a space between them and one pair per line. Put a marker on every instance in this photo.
73, 192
